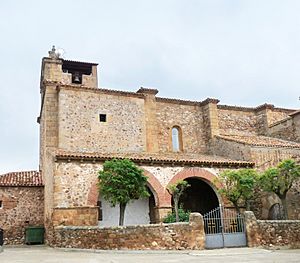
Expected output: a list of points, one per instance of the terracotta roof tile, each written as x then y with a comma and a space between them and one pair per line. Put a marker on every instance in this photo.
253, 109
257, 140
165, 158
24, 178
295, 113
82, 62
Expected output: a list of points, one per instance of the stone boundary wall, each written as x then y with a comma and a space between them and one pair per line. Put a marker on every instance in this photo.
272, 233
157, 236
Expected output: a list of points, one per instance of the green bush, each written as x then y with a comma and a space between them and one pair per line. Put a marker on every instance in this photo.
183, 216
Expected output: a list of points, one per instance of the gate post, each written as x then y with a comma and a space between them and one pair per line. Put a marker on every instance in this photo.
252, 232
197, 240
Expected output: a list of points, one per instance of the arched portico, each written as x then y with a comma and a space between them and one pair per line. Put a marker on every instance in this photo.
152, 183
202, 195
143, 209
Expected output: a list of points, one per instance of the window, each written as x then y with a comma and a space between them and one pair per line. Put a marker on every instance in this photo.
100, 214
102, 117
1, 204
176, 139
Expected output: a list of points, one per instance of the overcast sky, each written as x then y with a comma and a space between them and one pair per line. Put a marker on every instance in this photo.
241, 52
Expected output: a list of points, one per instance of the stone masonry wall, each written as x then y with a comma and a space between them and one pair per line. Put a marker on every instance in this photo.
272, 233
160, 236
72, 183
210, 122
284, 130
188, 118
78, 216
293, 198
232, 150
288, 129
75, 186
80, 129
265, 157
21, 207
264, 201
279, 233
277, 115
48, 140
247, 121
236, 122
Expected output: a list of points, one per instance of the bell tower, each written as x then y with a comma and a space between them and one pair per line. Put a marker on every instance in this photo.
57, 73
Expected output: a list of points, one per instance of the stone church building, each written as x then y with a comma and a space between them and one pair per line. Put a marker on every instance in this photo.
83, 125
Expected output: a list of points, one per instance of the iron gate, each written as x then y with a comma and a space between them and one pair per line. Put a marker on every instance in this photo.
224, 228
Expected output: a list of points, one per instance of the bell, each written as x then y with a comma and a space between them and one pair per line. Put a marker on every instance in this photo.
76, 78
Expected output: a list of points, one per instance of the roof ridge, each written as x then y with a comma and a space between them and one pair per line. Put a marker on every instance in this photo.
27, 171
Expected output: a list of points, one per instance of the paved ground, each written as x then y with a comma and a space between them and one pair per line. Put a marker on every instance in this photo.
34, 254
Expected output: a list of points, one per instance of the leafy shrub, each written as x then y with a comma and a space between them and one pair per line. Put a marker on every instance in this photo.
183, 216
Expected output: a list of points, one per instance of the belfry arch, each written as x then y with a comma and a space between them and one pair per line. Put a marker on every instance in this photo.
202, 195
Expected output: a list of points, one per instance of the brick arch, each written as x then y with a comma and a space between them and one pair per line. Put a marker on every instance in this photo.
200, 173
154, 185
156, 188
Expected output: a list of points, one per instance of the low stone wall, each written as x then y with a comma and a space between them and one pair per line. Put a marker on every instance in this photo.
272, 233
159, 236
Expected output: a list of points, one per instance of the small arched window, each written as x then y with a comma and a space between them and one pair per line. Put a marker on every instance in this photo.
176, 139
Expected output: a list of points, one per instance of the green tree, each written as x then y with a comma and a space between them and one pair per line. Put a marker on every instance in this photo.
280, 179
176, 190
238, 186
121, 181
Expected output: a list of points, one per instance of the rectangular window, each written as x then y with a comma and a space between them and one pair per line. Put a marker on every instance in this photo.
100, 215
1, 204
102, 117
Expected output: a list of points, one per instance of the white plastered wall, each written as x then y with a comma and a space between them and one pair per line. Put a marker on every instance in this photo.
136, 213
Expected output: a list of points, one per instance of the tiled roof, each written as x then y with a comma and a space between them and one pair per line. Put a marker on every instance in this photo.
295, 113
254, 109
24, 178
97, 90
82, 62
187, 102
256, 140
144, 158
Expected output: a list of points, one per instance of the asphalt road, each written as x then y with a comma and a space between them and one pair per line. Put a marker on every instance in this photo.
38, 254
